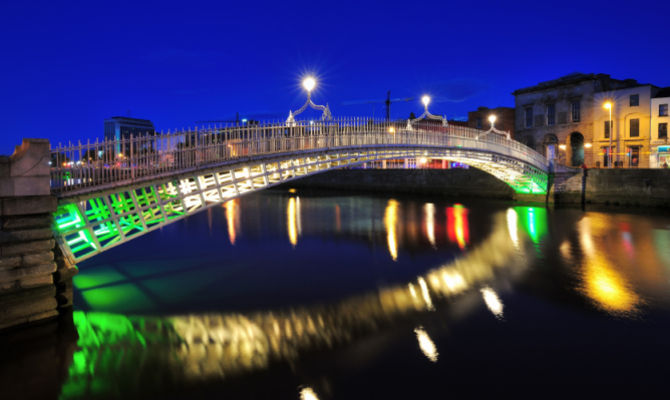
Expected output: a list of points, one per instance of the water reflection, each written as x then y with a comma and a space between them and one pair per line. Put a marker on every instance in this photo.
196, 347
390, 223
457, 223
426, 345
601, 282
293, 220
429, 213
232, 208
492, 302
307, 393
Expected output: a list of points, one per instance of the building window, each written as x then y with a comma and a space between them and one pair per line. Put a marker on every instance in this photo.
634, 100
634, 127
662, 110
663, 130
479, 123
576, 111
608, 125
529, 117
606, 156
634, 156
551, 114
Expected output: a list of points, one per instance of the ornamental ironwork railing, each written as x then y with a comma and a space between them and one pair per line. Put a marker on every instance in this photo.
84, 167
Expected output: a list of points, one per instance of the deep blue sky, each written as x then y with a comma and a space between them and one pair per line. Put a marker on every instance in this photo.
66, 66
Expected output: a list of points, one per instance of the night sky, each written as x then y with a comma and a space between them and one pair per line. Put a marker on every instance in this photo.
66, 66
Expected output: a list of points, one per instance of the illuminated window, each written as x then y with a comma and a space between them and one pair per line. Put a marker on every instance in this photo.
529, 117
551, 114
662, 110
634, 156
607, 129
634, 100
663, 130
634, 127
576, 111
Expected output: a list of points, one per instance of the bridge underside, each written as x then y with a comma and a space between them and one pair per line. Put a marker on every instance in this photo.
89, 224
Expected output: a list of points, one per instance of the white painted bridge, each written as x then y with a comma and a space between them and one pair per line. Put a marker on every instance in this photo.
113, 191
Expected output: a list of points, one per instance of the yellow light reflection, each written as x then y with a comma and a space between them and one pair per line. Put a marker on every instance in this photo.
307, 393
232, 218
292, 220
426, 345
429, 213
390, 223
425, 294
493, 302
608, 289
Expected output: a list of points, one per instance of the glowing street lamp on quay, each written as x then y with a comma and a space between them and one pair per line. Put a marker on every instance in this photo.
608, 106
492, 120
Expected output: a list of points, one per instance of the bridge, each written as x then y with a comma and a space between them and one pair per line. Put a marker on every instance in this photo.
110, 192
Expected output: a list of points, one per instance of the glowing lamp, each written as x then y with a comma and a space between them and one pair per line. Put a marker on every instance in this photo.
492, 119
425, 100
588, 145
607, 105
561, 146
309, 83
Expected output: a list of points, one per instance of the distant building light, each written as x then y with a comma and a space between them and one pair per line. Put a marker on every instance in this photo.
562, 146
244, 120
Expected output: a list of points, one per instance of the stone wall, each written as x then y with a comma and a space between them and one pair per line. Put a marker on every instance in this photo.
31, 283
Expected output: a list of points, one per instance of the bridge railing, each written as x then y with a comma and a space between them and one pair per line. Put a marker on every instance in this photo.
75, 167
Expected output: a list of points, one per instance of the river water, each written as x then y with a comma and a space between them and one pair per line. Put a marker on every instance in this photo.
286, 294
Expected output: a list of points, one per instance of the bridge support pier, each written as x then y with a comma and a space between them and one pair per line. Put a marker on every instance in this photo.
33, 283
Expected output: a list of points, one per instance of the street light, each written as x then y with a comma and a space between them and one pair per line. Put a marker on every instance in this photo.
391, 130
492, 120
425, 100
309, 83
608, 106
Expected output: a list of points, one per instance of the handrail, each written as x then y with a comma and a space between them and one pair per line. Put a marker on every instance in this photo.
79, 166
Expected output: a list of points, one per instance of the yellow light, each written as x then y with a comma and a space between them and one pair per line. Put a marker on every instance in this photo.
423, 160
588, 145
309, 83
607, 105
232, 218
429, 210
292, 220
390, 221
292, 190
492, 302
307, 393
391, 130
492, 119
561, 146
425, 100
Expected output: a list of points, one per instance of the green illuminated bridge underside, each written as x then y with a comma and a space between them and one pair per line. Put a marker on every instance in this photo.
163, 178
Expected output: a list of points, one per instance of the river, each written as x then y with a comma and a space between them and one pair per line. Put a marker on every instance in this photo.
292, 294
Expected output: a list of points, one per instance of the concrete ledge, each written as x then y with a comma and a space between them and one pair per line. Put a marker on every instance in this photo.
16, 249
28, 205
26, 222
24, 272
25, 235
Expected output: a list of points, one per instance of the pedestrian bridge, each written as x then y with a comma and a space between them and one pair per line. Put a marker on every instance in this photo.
114, 191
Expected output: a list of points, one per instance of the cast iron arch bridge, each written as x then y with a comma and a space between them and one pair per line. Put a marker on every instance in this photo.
114, 191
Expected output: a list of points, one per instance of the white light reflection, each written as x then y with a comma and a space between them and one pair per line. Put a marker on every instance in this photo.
425, 294
307, 393
429, 212
512, 219
426, 344
493, 302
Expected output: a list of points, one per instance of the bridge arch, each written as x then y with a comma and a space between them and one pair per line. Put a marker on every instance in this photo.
96, 213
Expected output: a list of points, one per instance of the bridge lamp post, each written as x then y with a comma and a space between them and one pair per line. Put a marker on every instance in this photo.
425, 100
492, 120
309, 83
608, 106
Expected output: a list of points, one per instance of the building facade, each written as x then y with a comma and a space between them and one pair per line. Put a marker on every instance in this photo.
117, 128
504, 118
659, 146
557, 117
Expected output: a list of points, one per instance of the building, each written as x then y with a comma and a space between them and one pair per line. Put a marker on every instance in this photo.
557, 117
504, 118
125, 127
629, 135
659, 148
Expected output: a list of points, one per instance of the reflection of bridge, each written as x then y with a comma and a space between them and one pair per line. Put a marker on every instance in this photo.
111, 192
196, 348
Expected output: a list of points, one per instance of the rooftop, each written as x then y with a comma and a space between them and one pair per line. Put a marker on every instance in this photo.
578, 77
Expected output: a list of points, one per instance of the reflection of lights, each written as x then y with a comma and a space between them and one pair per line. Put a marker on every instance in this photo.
512, 219
429, 212
493, 302
338, 218
232, 218
601, 282
426, 344
534, 220
307, 393
425, 294
390, 221
292, 190
292, 212
457, 225
566, 250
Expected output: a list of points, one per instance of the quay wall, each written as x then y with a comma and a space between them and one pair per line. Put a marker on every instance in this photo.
619, 187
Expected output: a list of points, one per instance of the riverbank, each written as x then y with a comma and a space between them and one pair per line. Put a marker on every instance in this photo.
617, 187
